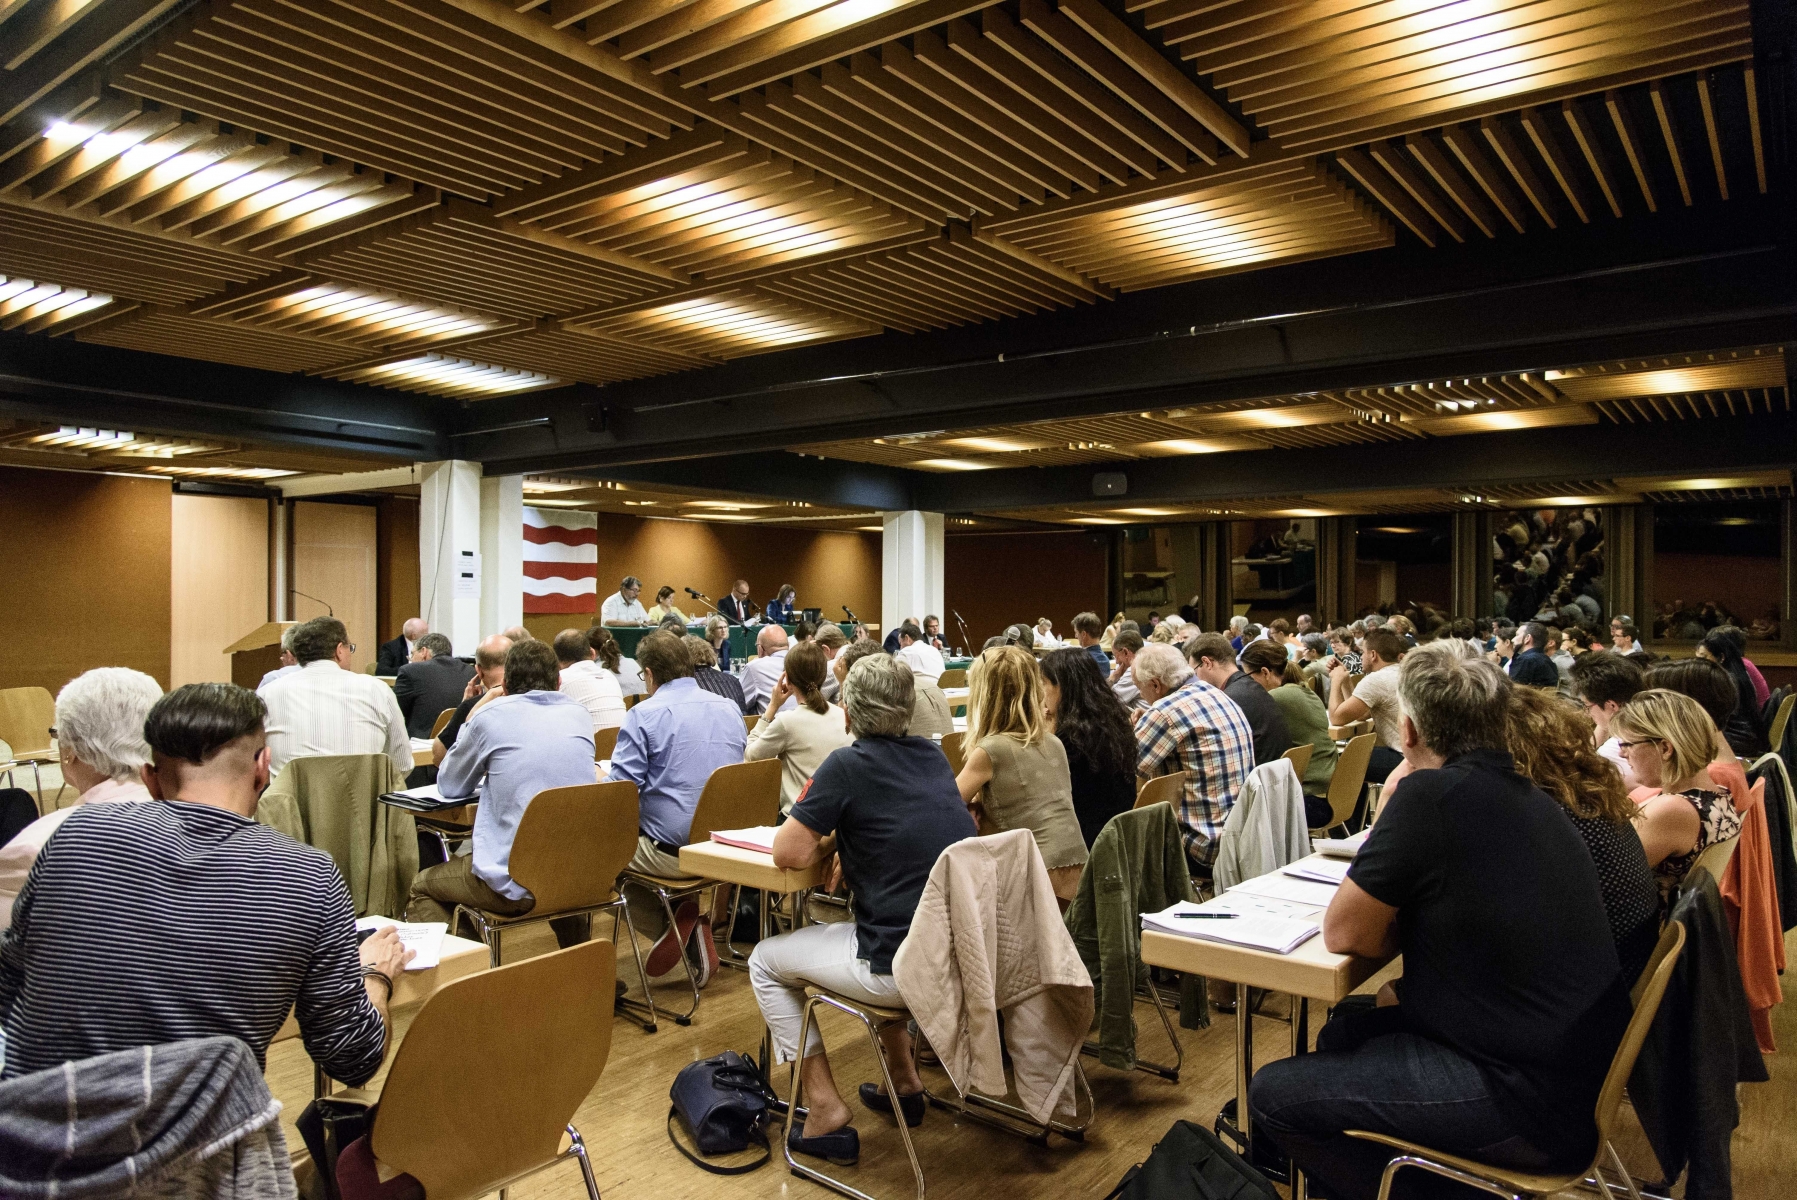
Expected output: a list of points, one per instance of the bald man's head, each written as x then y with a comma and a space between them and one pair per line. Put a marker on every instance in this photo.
770, 641
489, 659
414, 628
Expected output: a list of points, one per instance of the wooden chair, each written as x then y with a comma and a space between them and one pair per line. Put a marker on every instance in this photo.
1781, 719
1161, 789
605, 742
736, 796
1715, 856
571, 846
26, 715
1349, 779
952, 748
1299, 757
630, 702
1503, 1181
954, 678
750, 720
442, 722
521, 1048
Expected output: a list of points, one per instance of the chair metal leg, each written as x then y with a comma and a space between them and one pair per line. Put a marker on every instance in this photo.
1616, 1161
795, 1092
621, 910
1171, 1074
667, 908
1446, 1172
578, 1149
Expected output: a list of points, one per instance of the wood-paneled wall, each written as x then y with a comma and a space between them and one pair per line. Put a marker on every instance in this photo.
334, 558
86, 582
998, 579
828, 569
396, 584
218, 582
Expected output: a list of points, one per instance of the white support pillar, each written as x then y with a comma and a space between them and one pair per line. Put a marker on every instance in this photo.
910, 566
501, 553
448, 549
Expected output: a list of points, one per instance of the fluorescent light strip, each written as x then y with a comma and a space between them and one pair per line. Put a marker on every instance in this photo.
46, 305
375, 313
431, 372
223, 472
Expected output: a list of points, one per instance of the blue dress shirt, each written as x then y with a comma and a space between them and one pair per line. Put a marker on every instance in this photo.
669, 746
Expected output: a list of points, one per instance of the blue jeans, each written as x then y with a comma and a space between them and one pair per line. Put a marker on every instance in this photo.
1400, 1084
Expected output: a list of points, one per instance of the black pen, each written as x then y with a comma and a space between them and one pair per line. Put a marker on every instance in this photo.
1207, 916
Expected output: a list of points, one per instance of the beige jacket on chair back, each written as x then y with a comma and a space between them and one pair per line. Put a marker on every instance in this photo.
988, 938
333, 802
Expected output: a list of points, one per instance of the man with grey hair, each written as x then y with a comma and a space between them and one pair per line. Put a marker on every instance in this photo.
892, 803
327, 708
389, 657
489, 675
1238, 625
1193, 727
289, 664
1496, 1041
764, 670
100, 740
1124, 648
430, 684
623, 607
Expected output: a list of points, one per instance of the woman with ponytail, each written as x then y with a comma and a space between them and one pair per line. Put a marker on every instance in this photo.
804, 735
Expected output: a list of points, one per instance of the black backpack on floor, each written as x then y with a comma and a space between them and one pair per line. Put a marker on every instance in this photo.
1190, 1163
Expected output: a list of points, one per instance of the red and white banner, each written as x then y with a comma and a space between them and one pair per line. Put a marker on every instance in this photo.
561, 561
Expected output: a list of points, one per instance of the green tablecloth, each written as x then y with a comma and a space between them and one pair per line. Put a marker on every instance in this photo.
742, 637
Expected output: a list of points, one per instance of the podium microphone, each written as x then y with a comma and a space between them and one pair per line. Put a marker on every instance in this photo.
692, 593
852, 617
329, 611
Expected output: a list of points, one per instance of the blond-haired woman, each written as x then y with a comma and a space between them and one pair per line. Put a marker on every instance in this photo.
1015, 774
1111, 631
802, 736
1669, 742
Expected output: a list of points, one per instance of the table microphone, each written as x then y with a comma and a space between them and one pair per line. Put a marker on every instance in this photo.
851, 615
693, 594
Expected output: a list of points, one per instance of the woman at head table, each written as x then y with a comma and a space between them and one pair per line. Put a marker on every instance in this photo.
664, 607
779, 610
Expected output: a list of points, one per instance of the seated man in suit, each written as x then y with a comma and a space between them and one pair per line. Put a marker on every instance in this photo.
393, 655
431, 682
1495, 1042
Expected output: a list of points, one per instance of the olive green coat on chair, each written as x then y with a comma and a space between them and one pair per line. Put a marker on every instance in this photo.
333, 802
1137, 865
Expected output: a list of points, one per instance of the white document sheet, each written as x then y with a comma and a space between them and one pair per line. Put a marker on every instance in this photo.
426, 937
1281, 886
1280, 935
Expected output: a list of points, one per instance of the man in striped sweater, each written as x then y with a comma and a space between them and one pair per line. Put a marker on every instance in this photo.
183, 918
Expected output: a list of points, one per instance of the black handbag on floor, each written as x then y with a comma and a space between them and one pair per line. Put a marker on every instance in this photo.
1190, 1163
726, 1105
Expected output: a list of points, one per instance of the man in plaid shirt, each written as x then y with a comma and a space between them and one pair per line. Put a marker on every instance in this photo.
1191, 726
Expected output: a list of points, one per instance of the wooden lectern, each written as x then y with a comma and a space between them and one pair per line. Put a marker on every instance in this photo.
256, 653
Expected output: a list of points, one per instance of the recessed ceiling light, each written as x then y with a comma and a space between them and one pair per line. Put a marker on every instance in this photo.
445, 376
32, 307
222, 472
951, 464
725, 505
642, 503
355, 315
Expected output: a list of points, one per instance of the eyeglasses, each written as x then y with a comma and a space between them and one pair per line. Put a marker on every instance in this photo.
1622, 745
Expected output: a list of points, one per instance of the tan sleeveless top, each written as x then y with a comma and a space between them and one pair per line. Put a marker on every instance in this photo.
1031, 789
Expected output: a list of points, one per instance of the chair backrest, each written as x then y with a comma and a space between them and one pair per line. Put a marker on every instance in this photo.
442, 722
1646, 994
955, 677
1350, 777
630, 702
605, 742
952, 748
1299, 757
573, 841
750, 720
1162, 789
738, 796
521, 1046
26, 714
1782, 719
1715, 856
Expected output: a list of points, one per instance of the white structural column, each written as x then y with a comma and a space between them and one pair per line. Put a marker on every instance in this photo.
501, 553
910, 566
448, 548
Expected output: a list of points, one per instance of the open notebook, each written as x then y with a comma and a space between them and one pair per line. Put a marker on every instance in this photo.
1257, 930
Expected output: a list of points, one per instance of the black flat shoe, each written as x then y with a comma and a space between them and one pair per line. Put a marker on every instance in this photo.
841, 1147
912, 1106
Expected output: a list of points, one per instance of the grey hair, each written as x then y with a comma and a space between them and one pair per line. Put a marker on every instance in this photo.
1161, 663
1457, 703
1316, 643
439, 645
287, 638
878, 694
1237, 624
100, 719
630, 581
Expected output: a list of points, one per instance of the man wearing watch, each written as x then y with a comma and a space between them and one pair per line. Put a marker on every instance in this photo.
184, 918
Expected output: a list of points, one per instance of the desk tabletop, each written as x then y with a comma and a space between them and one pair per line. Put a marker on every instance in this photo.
750, 868
1311, 970
424, 752
460, 959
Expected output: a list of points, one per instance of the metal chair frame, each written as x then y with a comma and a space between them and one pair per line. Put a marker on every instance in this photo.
1152, 994
490, 928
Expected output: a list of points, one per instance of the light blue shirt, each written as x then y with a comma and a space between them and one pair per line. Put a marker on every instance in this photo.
669, 746
516, 747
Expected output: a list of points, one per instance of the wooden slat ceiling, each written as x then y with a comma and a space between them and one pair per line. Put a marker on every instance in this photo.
40, 444
1715, 385
597, 190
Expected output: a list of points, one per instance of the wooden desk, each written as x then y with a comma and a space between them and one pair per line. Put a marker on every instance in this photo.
1311, 972
460, 959
424, 752
748, 868
957, 700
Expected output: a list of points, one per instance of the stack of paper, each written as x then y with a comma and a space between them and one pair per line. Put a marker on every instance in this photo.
1280, 886
759, 838
1278, 935
421, 745
1341, 847
426, 937
1320, 869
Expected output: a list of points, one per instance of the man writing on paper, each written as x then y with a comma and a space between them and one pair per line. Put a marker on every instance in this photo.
1512, 1001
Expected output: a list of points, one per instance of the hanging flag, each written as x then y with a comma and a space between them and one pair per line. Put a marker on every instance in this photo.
561, 561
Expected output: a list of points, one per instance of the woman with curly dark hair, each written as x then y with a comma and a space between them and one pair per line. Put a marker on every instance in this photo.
1095, 728
1551, 743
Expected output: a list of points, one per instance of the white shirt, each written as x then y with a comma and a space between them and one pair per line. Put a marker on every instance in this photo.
618, 611
323, 709
1126, 691
924, 660
277, 673
759, 679
598, 690
801, 739
1046, 641
629, 677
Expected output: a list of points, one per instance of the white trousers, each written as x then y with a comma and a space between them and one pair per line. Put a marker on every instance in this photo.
824, 956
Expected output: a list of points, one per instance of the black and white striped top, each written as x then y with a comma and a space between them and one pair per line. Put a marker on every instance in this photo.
153, 922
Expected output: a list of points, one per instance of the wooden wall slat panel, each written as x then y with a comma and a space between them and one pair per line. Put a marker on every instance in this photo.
218, 582
334, 558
